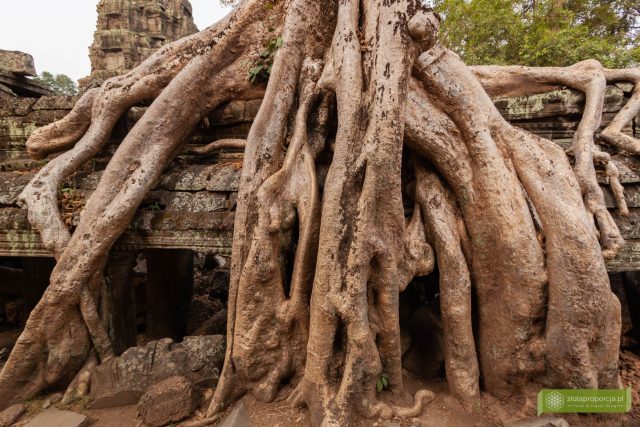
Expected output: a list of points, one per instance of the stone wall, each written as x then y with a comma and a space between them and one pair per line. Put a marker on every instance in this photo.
192, 207
15, 70
128, 31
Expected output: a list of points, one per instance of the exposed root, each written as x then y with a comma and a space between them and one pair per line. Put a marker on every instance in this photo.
520, 290
221, 144
587, 357
613, 134
60, 135
261, 220
56, 340
418, 259
590, 78
422, 398
613, 176
441, 216
80, 384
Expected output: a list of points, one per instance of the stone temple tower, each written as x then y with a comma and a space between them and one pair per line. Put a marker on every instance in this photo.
128, 31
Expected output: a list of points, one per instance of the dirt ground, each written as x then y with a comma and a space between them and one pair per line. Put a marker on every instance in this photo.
444, 411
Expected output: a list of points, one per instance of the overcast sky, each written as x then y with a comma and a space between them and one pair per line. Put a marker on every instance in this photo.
58, 33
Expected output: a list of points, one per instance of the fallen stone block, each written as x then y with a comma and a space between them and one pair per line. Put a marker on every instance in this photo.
238, 417
539, 422
17, 62
168, 401
124, 379
53, 417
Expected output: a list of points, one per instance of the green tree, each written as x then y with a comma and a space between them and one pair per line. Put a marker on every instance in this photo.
61, 84
541, 32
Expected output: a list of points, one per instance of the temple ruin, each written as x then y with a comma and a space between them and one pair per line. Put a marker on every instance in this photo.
128, 31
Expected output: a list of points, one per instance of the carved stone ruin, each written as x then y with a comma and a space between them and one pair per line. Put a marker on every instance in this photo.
128, 31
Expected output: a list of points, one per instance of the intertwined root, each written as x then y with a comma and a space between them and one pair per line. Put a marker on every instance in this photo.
613, 134
64, 327
590, 78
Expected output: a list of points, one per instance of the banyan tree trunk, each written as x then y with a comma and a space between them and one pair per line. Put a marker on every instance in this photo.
365, 117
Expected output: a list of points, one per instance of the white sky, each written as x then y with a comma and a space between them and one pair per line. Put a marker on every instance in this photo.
58, 33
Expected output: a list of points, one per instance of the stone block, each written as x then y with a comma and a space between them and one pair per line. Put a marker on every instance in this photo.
539, 422
238, 417
53, 417
12, 184
124, 379
17, 62
168, 401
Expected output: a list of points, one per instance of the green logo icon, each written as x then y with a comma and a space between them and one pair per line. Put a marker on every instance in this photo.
583, 401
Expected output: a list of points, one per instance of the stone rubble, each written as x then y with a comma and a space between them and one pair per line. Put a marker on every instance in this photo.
124, 379
168, 401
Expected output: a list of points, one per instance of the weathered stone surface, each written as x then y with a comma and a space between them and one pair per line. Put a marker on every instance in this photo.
218, 177
129, 31
12, 184
62, 103
168, 401
6, 92
554, 103
238, 417
124, 379
53, 417
539, 422
17, 62
11, 414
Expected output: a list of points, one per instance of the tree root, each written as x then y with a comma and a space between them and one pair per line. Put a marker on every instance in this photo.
218, 145
56, 340
441, 215
612, 134
590, 78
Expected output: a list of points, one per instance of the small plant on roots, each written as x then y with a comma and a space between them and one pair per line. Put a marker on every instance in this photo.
382, 383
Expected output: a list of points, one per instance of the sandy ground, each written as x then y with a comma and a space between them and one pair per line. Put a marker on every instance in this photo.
444, 411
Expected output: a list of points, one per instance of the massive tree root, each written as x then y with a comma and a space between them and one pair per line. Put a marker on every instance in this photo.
185, 80
376, 153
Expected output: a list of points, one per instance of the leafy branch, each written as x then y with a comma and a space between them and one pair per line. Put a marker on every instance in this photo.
261, 68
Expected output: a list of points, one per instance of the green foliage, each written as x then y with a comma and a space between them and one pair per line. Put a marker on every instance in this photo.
61, 84
154, 206
260, 69
382, 383
541, 32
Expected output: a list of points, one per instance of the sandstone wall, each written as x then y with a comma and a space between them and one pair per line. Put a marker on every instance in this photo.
193, 205
128, 31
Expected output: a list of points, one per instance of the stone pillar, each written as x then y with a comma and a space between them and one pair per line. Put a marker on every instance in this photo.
120, 310
169, 292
